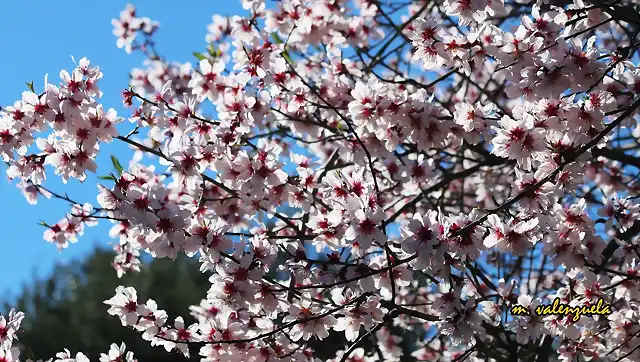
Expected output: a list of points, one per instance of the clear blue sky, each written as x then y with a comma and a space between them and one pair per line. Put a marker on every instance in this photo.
39, 37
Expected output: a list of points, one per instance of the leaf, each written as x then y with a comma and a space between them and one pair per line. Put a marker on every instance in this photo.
213, 52
116, 165
30, 86
200, 56
278, 40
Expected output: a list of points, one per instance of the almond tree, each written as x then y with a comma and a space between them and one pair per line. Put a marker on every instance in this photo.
444, 161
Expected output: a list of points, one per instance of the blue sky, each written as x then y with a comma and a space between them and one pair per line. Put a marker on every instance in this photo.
40, 37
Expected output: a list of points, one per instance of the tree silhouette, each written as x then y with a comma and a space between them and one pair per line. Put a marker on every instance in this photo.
67, 309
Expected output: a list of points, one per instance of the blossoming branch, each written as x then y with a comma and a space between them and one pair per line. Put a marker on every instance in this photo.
398, 173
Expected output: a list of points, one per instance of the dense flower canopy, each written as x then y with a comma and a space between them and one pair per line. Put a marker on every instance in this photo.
419, 164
